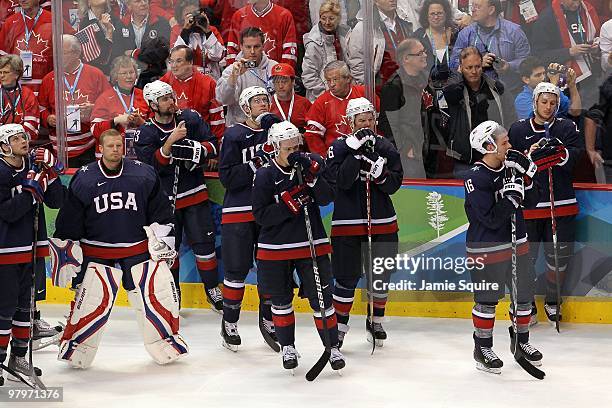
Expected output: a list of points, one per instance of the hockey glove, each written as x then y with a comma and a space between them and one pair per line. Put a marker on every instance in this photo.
161, 243
267, 119
373, 165
44, 157
296, 198
514, 189
360, 138
192, 152
36, 183
520, 162
66, 260
550, 153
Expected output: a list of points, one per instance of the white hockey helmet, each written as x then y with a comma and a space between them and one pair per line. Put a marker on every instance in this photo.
357, 106
249, 93
546, 87
282, 131
6, 132
156, 89
484, 134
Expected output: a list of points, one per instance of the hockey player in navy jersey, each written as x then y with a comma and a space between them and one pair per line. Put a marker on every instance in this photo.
559, 150
25, 182
350, 160
244, 150
117, 224
283, 245
177, 143
492, 194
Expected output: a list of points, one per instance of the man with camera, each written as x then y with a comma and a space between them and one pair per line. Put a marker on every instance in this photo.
533, 72
251, 68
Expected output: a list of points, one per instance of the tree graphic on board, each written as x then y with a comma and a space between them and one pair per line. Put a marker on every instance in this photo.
436, 212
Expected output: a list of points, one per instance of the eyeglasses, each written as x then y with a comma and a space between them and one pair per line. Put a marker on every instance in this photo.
437, 14
418, 54
176, 61
335, 80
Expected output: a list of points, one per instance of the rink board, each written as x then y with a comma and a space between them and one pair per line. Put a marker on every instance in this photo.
588, 288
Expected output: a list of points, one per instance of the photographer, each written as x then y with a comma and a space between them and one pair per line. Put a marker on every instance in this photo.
533, 72
251, 68
194, 30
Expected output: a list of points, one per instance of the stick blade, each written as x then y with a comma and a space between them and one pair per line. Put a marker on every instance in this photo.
530, 368
319, 366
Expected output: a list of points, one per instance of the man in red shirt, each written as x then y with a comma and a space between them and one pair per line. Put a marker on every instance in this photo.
326, 119
285, 102
277, 24
83, 84
194, 90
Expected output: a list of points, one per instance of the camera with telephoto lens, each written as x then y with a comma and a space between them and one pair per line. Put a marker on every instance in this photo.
497, 63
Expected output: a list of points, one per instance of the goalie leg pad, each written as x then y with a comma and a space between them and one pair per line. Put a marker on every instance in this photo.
89, 313
156, 302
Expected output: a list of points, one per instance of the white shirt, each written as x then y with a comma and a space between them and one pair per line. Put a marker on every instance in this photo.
139, 30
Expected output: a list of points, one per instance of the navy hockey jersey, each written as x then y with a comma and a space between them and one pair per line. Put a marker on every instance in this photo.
489, 233
240, 142
350, 209
151, 136
106, 213
17, 215
526, 132
283, 235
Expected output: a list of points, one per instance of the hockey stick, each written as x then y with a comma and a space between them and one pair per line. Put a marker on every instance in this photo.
520, 359
370, 277
322, 361
553, 223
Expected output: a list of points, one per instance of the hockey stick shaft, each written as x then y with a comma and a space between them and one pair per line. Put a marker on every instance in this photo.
553, 223
370, 275
35, 379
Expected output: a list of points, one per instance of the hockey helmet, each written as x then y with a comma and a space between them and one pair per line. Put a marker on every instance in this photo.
282, 131
546, 87
249, 93
484, 134
156, 89
357, 106
6, 132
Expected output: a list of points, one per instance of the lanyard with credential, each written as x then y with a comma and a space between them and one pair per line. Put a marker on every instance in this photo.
11, 106
72, 89
280, 109
252, 71
120, 96
581, 29
28, 32
487, 48
433, 46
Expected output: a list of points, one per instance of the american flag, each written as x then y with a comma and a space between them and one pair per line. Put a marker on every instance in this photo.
87, 38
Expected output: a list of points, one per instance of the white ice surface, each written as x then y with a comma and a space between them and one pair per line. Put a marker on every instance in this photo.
425, 363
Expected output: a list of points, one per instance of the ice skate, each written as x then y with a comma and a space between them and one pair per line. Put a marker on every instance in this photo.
230, 337
290, 358
487, 360
215, 299
379, 333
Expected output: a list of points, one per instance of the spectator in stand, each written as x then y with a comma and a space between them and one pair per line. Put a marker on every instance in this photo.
82, 85
276, 22
194, 30
301, 18
501, 42
438, 34
326, 42
566, 33
223, 11
605, 44
194, 90
286, 104
525, 14
532, 73
122, 107
483, 95
326, 118
7, 9
106, 30
251, 68
153, 54
28, 33
17, 104
597, 131
411, 10
166, 10
389, 31
141, 26
403, 102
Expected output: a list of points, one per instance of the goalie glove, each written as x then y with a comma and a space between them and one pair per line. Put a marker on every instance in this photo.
520, 162
550, 153
161, 243
191, 152
66, 260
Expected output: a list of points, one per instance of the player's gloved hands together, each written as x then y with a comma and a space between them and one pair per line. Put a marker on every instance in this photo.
514, 189
520, 162
36, 183
360, 138
160, 243
296, 198
309, 165
66, 260
550, 153
373, 166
